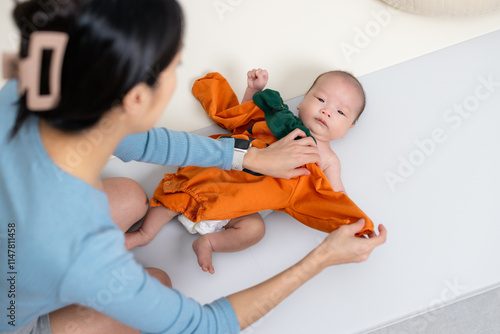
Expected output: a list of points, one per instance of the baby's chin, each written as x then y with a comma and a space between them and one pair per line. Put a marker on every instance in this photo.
322, 137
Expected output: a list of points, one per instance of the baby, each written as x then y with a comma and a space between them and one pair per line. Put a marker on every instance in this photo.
330, 108
229, 202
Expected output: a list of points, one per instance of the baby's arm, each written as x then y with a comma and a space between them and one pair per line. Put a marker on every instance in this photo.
332, 172
257, 80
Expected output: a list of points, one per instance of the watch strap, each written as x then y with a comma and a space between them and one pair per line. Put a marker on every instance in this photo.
241, 147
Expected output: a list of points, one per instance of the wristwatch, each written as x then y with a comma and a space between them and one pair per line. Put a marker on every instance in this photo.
241, 147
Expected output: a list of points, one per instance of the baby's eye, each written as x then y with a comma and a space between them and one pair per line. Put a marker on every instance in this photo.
341, 112
320, 100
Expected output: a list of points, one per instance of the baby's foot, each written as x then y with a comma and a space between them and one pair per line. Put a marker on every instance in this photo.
203, 250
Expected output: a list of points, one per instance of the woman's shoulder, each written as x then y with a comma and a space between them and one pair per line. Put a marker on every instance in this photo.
9, 88
8, 95
8, 105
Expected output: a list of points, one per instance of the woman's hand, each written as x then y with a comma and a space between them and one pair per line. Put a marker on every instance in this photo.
284, 158
340, 246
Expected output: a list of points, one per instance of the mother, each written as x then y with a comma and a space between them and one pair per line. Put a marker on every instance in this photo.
92, 73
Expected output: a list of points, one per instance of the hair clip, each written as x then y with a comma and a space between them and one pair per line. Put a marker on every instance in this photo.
29, 70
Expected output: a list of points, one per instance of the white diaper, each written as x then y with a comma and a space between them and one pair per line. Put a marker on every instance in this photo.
209, 226
204, 226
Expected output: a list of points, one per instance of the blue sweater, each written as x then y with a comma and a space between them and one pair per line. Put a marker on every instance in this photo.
59, 246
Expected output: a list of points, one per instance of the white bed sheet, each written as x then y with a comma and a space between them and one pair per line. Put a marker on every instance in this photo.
423, 160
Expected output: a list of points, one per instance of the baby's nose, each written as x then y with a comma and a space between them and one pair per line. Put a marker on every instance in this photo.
325, 112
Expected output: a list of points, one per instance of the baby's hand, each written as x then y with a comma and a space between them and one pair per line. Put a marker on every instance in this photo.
257, 79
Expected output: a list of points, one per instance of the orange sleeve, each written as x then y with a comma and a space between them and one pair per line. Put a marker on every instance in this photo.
221, 104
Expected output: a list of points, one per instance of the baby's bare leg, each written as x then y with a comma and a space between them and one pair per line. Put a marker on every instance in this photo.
154, 221
239, 234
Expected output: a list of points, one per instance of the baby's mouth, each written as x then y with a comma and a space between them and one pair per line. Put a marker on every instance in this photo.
321, 121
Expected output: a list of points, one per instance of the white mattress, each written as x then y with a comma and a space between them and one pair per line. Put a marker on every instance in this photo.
414, 162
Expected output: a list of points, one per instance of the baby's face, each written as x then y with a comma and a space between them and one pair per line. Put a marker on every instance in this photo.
330, 107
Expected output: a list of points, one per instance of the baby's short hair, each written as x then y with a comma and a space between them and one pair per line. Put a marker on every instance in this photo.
353, 80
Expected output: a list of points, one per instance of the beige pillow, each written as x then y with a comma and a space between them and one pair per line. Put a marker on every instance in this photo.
445, 7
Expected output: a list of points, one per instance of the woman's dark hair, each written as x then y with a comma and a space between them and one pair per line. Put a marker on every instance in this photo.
113, 45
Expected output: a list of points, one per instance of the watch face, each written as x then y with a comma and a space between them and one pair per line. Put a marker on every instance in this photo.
241, 144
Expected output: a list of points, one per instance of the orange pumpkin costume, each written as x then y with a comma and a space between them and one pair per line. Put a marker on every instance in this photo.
212, 193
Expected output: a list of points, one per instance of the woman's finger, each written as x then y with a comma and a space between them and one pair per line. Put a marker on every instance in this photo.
294, 134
